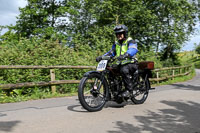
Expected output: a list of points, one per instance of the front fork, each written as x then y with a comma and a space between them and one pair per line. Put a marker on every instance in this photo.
101, 81
96, 87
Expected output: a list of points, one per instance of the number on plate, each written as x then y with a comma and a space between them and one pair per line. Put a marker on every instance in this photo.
102, 65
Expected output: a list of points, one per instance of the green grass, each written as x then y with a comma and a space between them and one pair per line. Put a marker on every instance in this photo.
189, 57
41, 95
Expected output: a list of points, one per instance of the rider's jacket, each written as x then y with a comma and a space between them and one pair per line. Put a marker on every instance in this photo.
127, 46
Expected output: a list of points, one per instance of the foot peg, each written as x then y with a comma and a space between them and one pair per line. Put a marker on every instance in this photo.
152, 88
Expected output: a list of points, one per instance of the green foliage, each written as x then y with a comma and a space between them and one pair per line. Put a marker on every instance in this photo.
145, 55
169, 56
189, 57
197, 49
38, 52
151, 22
41, 52
40, 18
154, 24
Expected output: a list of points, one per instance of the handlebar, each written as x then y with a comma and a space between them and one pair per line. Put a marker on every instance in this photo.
106, 57
109, 58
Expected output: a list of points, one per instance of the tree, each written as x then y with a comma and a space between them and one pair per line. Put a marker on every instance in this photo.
39, 17
153, 23
197, 49
160, 24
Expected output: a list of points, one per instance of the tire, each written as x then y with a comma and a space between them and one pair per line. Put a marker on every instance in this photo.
141, 91
89, 96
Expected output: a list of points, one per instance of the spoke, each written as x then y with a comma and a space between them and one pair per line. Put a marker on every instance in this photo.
102, 96
88, 100
91, 101
96, 101
94, 92
87, 92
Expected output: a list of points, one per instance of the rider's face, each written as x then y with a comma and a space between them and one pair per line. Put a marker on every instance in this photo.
120, 36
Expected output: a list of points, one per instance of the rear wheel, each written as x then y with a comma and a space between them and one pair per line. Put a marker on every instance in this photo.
141, 91
92, 92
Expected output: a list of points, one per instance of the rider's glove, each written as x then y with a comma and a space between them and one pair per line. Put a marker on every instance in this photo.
98, 58
122, 57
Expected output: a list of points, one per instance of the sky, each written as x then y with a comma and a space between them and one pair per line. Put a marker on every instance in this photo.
189, 45
9, 10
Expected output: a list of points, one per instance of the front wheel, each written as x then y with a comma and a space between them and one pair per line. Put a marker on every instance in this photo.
92, 92
141, 91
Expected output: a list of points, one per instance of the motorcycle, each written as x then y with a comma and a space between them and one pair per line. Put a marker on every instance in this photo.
106, 84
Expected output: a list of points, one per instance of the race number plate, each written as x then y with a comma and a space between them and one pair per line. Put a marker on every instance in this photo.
102, 65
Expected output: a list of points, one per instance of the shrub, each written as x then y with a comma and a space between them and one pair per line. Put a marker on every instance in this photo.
39, 52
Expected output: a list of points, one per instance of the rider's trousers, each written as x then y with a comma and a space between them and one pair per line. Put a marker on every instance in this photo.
127, 71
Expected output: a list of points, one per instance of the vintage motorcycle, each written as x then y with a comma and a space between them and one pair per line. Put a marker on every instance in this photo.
106, 84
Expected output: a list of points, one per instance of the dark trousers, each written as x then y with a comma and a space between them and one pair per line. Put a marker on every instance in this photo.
127, 71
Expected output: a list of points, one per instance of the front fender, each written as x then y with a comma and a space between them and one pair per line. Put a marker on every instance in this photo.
87, 74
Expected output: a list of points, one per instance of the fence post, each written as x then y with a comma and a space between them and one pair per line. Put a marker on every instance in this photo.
53, 78
157, 76
181, 70
173, 73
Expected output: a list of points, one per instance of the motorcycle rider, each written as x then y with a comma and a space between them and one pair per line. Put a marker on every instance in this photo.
125, 50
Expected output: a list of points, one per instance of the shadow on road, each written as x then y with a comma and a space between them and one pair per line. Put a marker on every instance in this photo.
76, 108
110, 104
188, 87
36, 108
180, 117
7, 126
1, 115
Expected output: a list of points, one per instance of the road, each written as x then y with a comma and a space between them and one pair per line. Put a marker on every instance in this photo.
169, 109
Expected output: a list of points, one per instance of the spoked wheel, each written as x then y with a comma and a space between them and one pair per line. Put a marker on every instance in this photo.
92, 92
141, 91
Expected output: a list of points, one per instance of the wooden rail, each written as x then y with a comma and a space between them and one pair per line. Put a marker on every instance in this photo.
46, 67
51, 83
183, 70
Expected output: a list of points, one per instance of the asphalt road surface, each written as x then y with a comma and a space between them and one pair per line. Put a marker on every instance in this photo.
169, 109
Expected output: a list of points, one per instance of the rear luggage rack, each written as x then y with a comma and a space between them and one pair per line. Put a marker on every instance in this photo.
146, 65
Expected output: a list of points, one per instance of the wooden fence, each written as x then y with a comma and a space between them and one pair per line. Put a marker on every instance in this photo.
170, 73
159, 75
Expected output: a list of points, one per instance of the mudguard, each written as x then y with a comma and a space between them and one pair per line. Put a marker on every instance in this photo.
145, 72
87, 74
